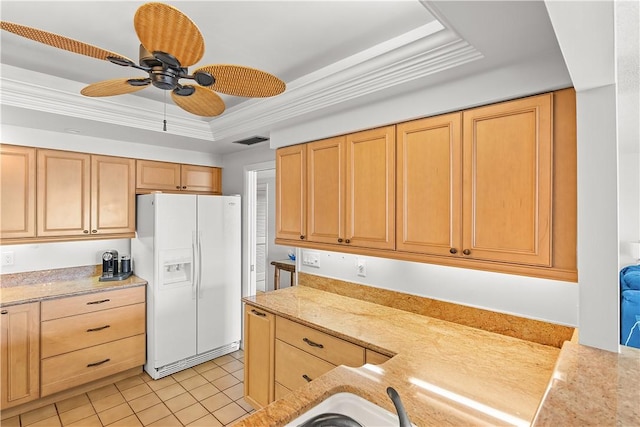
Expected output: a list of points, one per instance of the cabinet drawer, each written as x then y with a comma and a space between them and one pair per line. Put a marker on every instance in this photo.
294, 367
88, 303
86, 330
83, 366
324, 346
281, 391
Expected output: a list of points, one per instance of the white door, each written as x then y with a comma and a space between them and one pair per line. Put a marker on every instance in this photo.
219, 272
174, 291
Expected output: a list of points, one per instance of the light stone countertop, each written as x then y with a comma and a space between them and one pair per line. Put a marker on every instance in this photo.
14, 295
445, 373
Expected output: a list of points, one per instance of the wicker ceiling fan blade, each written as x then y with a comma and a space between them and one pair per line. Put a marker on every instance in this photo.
59, 41
243, 81
203, 102
163, 28
112, 87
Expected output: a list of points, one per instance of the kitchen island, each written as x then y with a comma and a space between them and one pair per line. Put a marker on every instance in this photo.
445, 373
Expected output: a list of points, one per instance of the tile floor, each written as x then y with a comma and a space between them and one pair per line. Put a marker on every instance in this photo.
210, 394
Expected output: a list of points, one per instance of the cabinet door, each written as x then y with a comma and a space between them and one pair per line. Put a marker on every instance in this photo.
20, 356
64, 193
17, 191
112, 195
259, 342
429, 183
325, 190
201, 179
507, 181
161, 176
290, 192
370, 194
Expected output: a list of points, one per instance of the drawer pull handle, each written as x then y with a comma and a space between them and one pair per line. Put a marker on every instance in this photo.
311, 343
98, 363
257, 313
306, 377
98, 329
4, 311
98, 302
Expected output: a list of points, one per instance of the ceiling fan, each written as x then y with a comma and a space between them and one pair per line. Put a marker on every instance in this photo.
170, 43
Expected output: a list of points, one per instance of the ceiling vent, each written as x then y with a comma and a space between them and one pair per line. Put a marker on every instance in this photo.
252, 140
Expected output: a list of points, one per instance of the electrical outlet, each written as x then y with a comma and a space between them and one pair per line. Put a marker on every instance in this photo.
7, 259
361, 267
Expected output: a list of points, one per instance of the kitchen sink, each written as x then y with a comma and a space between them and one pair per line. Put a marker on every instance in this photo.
363, 411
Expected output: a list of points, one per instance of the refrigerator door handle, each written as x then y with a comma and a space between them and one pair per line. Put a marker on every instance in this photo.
200, 291
193, 265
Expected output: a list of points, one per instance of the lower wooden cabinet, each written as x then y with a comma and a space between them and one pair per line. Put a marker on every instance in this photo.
259, 336
92, 336
282, 355
20, 356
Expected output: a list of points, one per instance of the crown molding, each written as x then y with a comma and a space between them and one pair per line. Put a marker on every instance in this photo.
426, 50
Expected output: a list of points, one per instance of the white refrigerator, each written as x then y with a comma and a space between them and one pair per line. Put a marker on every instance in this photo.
187, 247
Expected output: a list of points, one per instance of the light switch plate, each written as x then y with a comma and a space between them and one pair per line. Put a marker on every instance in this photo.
7, 259
310, 258
361, 267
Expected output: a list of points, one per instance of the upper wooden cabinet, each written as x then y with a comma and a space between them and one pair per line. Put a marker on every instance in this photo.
508, 181
326, 186
429, 185
490, 188
173, 177
370, 188
80, 194
20, 354
291, 193
17, 191
339, 190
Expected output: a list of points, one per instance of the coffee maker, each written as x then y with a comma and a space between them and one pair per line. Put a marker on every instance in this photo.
110, 263
111, 267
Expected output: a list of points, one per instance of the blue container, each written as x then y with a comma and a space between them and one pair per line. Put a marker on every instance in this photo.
630, 306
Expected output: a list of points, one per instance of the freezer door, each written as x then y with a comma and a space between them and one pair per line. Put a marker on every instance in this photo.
219, 283
174, 299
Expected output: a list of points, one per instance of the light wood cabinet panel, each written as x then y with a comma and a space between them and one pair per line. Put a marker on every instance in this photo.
326, 190
327, 347
281, 391
429, 185
295, 368
159, 176
92, 363
112, 195
201, 179
375, 358
86, 330
89, 303
80, 194
507, 181
370, 194
17, 191
290, 192
20, 356
64, 193
259, 342
174, 177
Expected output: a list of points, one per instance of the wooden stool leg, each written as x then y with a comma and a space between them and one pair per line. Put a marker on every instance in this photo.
276, 278
292, 274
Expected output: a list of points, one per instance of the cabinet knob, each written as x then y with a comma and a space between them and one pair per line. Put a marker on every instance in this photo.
85, 231
466, 252
347, 241
339, 240
184, 187
453, 251
301, 237
178, 187
94, 231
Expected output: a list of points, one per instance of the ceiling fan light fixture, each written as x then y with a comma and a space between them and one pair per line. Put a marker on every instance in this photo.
203, 78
